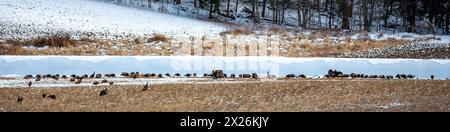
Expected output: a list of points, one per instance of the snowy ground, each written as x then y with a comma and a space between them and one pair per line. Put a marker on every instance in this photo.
121, 26
31, 18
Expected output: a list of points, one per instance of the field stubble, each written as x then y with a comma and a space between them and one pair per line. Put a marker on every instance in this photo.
279, 96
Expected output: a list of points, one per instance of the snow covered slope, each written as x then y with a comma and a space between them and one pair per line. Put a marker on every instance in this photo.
30, 18
279, 66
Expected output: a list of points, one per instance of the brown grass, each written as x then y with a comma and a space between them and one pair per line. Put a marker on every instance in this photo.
282, 95
158, 38
237, 31
327, 49
299, 45
278, 30
54, 41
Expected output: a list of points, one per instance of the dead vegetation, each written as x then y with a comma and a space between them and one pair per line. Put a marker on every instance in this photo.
240, 41
237, 31
328, 49
58, 41
158, 38
282, 95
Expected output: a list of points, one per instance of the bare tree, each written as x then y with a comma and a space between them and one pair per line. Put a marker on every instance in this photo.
228, 7
299, 16
264, 8
447, 23
237, 5
365, 4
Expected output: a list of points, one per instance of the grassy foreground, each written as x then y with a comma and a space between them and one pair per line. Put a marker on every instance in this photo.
265, 96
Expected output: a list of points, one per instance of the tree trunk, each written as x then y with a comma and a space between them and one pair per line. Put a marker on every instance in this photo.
388, 9
210, 9
216, 6
253, 8
237, 5
345, 8
372, 9
366, 15
447, 21
275, 11
318, 13
257, 16
282, 13
441, 14
228, 7
411, 8
195, 3
264, 9
299, 16
330, 13
305, 14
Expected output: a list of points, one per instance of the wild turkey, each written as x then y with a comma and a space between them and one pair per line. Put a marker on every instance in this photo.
98, 76
177, 75
44, 95
255, 76
246, 76
432, 77
104, 81
147, 75
145, 87
52, 96
92, 75
154, 75
19, 99
79, 81
110, 75
30, 83
28, 77
188, 75
290, 76
103, 92
56, 77
95, 83
302, 76
233, 76
125, 74
38, 79
217, 74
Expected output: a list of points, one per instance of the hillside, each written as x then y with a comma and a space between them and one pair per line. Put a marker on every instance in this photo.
83, 18
136, 27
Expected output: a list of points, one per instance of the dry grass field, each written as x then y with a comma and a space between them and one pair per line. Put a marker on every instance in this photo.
251, 96
224, 45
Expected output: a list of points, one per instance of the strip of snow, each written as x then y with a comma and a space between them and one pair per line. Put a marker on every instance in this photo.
23, 83
279, 66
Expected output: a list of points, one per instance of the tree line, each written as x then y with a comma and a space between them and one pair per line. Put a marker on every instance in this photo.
431, 16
